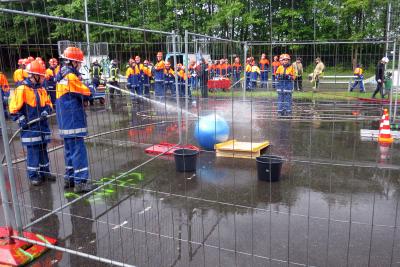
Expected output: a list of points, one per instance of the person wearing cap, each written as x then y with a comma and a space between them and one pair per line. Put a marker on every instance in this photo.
182, 77
4, 92
50, 79
298, 72
318, 73
169, 79
275, 64
138, 72
236, 72
114, 78
193, 79
158, 74
358, 79
71, 94
247, 72
147, 69
284, 76
254, 74
380, 76
264, 69
95, 73
20, 74
30, 106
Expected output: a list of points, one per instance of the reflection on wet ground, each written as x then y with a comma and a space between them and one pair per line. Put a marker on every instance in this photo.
336, 203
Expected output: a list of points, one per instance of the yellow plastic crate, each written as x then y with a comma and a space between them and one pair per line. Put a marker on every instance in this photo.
236, 149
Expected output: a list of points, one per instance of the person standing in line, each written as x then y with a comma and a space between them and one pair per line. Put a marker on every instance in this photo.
264, 69
380, 77
113, 80
254, 74
95, 73
284, 86
50, 81
236, 72
20, 74
146, 78
30, 105
318, 73
203, 71
158, 74
275, 64
4, 92
298, 72
71, 94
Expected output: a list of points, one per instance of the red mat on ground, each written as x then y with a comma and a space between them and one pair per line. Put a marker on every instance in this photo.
167, 148
219, 84
20, 252
375, 100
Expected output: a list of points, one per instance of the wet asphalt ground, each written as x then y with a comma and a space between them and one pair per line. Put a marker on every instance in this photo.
336, 203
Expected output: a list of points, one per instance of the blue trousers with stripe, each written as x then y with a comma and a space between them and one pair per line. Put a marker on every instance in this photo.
76, 160
37, 161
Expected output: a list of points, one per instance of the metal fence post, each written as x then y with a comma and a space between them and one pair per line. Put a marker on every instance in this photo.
244, 69
178, 105
186, 83
17, 211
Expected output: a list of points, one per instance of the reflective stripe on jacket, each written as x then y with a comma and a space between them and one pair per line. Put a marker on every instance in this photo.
71, 93
285, 77
28, 103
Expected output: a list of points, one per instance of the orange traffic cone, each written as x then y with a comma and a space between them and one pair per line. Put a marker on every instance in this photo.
385, 137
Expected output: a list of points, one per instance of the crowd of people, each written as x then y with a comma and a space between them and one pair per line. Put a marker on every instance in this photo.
40, 91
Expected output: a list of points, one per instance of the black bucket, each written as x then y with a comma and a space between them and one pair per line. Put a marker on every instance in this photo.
269, 168
185, 160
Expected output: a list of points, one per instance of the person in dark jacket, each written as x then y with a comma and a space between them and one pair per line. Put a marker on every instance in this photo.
202, 69
380, 76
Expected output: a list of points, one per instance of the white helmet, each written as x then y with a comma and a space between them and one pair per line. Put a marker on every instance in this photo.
385, 60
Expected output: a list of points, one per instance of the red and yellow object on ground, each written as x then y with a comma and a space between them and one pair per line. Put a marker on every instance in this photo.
385, 137
14, 252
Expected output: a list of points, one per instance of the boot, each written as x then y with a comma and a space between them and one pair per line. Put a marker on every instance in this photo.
49, 177
84, 188
36, 182
68, 184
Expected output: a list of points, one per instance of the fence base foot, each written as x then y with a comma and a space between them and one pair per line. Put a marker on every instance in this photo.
17, 253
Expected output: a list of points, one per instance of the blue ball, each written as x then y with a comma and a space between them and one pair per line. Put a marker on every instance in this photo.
211, 130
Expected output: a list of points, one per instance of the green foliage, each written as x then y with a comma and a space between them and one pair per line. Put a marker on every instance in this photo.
237, 19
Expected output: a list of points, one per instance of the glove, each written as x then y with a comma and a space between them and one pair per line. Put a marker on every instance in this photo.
44, 115
22, 122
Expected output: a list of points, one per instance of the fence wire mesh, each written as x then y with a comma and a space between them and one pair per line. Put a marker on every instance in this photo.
337, 200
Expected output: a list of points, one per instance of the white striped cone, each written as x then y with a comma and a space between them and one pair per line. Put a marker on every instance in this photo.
384, 131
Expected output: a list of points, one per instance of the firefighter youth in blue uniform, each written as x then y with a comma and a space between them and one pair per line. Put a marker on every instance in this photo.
284, 76
71, 117
30, 105
158, 74
358, 79
50, 81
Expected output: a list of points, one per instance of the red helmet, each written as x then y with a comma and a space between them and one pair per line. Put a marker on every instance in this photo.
38, 58
73, 53
36, 67
29, 59
21, 61
53, 61
284, 56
